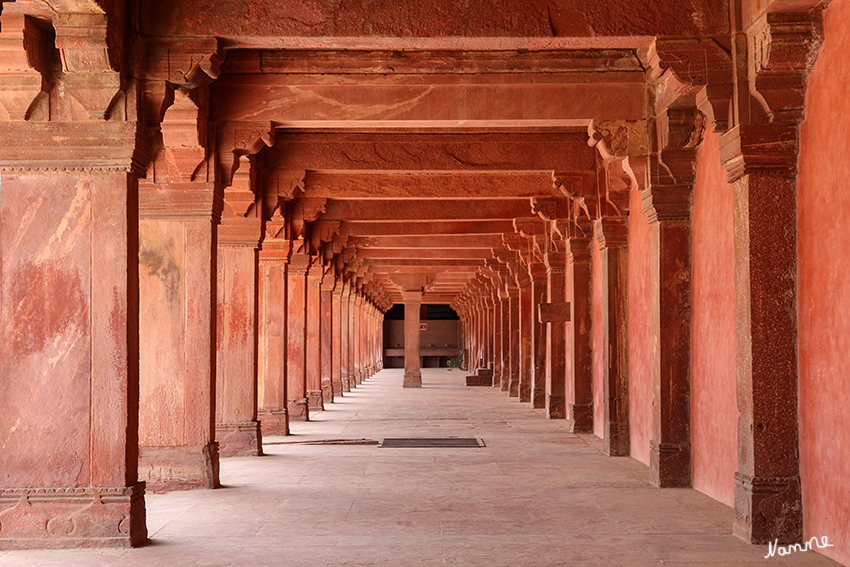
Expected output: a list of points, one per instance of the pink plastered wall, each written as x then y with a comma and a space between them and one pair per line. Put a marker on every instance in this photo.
714, 409
640, 331
598, 339
823, 256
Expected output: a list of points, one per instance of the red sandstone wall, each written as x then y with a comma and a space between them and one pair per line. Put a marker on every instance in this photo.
823, 203
640, 331
714, 408
598, 339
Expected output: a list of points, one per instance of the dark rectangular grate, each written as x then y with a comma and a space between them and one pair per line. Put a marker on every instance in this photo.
422, 442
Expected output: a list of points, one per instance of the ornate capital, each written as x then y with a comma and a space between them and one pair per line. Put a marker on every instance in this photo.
236, 139
611, 233
694, 72
24, 71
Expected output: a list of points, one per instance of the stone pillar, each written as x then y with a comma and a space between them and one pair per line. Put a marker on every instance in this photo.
611, 236
352, 337
506, 338
497, 340
327, 338
581, 370
296, 334
336, 342
667, 204
539, 286
177, 286
313, 340
556, 338
513, 375
237, 428
345, 335
412, 371
357, 338
273, 413
69, 340
525, 340
768, 501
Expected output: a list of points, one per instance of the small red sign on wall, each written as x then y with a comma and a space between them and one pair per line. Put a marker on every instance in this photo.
423, 326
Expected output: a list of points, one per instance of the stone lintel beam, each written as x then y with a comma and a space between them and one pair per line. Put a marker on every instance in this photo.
424, 228
424, 253
395, 211
430, 241
412, 185
343, 151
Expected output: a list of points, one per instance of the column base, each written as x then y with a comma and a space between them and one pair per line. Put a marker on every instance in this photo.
525, 392
337, 388
327, 394
768, 509
274, 422
582, 418
616, 441
346, 385
315, 400
180, 467
298, 410
352, 383
504, 383
513, 388
243, 439
412, 380
556, 407
358, 376
538, 399
669, 464
72, 517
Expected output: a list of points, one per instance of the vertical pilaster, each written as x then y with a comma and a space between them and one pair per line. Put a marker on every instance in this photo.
525, 336
556, 338
412, 371
581, 370
514, 339
296, 337
539, 286
344, 333
313, 337
328, 338
273, 407
237, 428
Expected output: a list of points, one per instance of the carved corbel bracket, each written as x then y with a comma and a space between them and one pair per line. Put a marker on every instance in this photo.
91, 59
236, 139
170, 64
323, 231
781, 48
182, 157
693, 72
240, 198
25, 73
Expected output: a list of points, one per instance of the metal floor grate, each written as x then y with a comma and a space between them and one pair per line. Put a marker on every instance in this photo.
432, 442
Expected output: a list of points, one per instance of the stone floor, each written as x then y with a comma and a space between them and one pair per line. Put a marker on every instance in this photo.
536, 495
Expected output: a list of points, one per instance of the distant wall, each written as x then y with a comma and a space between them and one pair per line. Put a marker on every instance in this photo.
714, 406
640, 331
823, 301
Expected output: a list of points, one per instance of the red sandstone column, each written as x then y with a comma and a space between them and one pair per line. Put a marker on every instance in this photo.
237, 429
506, 338
69, 339
296, 332
352, 336
497, 340
539, 285
177, 286
336, 339
273, 413
327, 337
556, 338
513, 375
525, 340
768, 502
581, 369
313, 340
345, 326
611, 235
358, 339
412, 371
668, 212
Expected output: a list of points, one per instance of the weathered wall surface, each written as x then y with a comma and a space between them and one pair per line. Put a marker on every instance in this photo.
823, 202
714, 408
640, 331
598, 340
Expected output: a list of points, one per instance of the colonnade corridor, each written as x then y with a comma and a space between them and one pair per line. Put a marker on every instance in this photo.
535, 495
